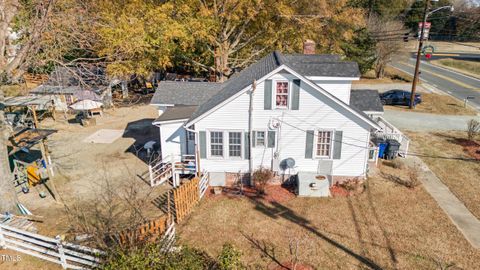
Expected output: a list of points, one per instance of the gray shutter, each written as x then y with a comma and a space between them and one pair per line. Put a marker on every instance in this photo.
254, 135
337, 145
267, 96
296, 94
247, 145
309, 144
271, 139
202, 140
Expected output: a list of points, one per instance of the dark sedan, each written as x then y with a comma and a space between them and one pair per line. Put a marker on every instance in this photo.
399, 97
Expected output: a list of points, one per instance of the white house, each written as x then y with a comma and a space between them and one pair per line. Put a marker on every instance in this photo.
293, 113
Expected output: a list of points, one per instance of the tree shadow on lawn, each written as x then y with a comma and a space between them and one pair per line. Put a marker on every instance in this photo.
278, 210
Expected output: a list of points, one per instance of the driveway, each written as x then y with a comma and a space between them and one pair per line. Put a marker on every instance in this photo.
427, 122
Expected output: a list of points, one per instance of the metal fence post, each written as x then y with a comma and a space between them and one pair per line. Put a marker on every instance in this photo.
61, 252
3, 245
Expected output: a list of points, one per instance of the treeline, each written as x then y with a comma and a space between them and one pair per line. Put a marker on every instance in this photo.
208, 37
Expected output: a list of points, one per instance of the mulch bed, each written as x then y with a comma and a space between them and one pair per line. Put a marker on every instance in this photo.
471, 147
273, 193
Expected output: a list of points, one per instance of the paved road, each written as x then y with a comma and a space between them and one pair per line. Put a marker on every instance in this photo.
451, 82
426, 121
459, 56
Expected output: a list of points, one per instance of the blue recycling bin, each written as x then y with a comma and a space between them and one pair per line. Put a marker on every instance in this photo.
382, 146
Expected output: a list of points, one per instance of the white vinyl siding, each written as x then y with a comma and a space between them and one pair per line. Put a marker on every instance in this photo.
316, 112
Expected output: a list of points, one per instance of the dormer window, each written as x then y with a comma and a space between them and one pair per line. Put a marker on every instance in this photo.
281, 97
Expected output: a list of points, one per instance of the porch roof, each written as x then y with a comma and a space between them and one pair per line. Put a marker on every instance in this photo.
176, 113
366, 100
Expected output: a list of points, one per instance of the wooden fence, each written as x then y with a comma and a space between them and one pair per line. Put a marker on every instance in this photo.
50, 249
149, 231
185, 198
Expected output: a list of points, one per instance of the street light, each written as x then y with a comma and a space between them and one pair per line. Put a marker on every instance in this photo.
420, 45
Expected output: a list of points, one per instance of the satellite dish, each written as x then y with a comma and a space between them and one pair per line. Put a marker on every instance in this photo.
287, 163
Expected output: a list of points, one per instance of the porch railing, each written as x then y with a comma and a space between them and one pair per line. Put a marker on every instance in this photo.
389, 131
168, 168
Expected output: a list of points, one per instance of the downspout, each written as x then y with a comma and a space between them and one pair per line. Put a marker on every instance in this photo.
197, 152
250, 131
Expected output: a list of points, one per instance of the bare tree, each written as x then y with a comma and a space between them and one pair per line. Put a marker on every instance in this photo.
8, 196
387, 46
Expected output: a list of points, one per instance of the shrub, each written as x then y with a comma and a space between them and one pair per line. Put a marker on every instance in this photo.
229, 258
473, 128
413, 173
261, 176
352, 184
398, 163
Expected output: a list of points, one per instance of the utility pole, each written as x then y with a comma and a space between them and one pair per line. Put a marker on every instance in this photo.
417, 64
8, 195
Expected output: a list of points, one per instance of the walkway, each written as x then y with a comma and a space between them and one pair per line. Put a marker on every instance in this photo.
416, 121
465, 221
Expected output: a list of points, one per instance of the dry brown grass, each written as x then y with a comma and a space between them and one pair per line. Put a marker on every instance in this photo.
437, 104
445, 157
391, 75
471, 68
386, 227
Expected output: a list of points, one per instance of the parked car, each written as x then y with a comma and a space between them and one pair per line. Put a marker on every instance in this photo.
399, 97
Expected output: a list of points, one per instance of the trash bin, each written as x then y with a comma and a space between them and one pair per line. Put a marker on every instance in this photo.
392, 148
382, 146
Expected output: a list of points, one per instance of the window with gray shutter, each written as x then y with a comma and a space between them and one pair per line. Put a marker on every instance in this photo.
337, 144
296, 94
309, 144
267, 99
271, 139
202, 140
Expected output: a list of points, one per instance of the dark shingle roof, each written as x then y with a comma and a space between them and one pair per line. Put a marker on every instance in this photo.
307, 65
330, 69
184, 93
311, 58
208, 95
241, 80
176, 113
366, 100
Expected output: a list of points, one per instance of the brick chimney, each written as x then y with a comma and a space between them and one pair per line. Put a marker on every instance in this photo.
309, 46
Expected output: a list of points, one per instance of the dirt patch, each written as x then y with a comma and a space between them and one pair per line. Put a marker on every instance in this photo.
81, 168
437, 104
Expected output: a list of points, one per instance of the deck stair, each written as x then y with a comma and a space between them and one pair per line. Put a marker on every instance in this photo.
169, 168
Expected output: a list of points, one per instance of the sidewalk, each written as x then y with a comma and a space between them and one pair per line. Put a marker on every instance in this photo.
463, 219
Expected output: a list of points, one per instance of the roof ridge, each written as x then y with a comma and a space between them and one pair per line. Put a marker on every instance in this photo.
279, 59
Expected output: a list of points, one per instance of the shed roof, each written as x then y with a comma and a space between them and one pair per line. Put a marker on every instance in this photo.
43, 102
27, 138
366, 100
